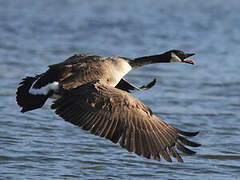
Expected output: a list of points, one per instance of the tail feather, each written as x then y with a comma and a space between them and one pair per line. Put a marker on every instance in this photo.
26, 100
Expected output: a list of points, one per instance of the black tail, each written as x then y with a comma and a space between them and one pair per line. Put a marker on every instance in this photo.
26, 100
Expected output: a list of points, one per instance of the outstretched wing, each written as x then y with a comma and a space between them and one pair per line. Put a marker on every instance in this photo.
116, 115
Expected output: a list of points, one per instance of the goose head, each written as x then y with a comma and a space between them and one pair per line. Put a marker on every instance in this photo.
179, 56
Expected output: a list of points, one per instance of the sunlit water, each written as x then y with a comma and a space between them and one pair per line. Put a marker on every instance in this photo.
205, 97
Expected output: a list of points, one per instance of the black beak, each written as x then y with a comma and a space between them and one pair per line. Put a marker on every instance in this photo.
189, 55
189, 61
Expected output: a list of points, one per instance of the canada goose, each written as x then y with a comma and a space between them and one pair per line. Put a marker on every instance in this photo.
90, 92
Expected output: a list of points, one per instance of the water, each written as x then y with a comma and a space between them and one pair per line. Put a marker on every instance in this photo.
205, 97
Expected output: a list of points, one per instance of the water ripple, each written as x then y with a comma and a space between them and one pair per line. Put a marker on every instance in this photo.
205, 97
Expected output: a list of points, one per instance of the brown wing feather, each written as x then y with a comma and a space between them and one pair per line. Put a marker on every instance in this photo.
116, 115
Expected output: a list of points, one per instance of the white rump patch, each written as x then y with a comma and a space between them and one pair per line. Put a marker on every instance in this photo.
175, 58
45, 89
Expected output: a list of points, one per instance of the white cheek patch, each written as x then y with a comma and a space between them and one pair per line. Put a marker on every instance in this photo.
175, 58
45, 89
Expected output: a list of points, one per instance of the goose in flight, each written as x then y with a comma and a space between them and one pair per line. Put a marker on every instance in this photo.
90, 92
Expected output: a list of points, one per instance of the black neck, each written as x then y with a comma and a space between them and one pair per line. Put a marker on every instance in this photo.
140, 61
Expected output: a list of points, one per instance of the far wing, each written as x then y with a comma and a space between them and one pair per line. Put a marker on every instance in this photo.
127, 86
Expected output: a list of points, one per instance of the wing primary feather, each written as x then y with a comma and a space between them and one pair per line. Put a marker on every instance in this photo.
123, 138
138, 143
76, 118
146, 148
175, 154
156, 145
133, 140
110, 128
83, 119
164, 142
150, 143
95, 128
128, 139
153, 149
187, 142
168, 135
105, 127
185, 150
67, 112
132, 126
117, 133
187, 133
166, 156
89, 122
100, 126
157, 157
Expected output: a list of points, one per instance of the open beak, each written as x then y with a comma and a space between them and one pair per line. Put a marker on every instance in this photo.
189, 61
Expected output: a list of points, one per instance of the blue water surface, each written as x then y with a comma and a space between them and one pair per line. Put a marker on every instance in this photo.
205, 97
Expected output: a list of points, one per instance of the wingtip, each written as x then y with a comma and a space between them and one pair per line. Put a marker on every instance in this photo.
188, 142
149, 85
185, 150
185, 133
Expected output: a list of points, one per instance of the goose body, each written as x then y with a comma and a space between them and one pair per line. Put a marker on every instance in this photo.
90, 92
